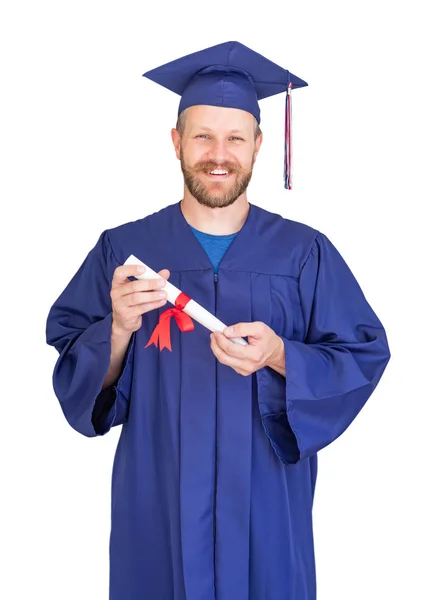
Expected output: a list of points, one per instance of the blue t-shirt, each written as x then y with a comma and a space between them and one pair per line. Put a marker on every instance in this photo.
214, 245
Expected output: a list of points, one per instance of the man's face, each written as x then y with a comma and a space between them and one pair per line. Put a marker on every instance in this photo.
217, 152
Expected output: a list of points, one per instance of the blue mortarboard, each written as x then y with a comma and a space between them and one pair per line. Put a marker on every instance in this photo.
233, 76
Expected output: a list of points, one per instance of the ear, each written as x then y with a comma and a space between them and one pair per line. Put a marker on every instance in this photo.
176, 139
258, 143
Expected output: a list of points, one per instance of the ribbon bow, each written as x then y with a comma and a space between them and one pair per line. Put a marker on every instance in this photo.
161, 332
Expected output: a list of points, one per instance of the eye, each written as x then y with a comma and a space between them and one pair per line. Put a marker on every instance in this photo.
235, 138
202, 136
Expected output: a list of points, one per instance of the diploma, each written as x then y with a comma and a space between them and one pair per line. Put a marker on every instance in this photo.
192, 308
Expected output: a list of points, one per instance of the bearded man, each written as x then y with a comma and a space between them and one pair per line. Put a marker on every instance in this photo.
215, 469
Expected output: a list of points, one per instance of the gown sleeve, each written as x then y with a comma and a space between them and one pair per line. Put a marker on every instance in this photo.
333, 372
79, 327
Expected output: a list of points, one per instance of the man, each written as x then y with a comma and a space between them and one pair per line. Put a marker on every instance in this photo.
215, 469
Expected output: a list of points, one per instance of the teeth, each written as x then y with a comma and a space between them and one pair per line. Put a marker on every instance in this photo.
218, 172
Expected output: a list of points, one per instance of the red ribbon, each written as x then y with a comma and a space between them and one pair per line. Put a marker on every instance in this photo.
161, 332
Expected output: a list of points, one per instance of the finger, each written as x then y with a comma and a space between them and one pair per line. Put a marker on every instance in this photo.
136, 287
122, 273
165, 274
241, 367
141, 309
231, 348
223, 357
254, 329
143, 298
250, 355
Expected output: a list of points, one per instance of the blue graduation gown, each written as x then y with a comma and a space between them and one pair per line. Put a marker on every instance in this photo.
214, 473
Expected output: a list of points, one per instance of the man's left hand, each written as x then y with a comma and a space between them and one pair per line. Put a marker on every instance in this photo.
265, 348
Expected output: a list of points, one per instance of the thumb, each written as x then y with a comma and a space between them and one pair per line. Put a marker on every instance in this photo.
165, 274
254, 329
237, 330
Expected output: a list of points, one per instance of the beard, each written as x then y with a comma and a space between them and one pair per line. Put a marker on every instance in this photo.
202, 192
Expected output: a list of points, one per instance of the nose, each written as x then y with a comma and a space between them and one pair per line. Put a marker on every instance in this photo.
218, 151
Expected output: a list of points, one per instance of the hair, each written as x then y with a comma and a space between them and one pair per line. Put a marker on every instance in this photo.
181, 122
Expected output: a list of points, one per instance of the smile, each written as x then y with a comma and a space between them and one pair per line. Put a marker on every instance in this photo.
218, 174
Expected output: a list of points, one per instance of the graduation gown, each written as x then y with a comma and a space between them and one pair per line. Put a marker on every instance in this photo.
214, 473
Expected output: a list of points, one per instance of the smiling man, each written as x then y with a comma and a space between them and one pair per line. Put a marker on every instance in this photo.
220, 155
215, 470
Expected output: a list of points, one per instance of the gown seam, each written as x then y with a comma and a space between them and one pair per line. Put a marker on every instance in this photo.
112, 249
295, 277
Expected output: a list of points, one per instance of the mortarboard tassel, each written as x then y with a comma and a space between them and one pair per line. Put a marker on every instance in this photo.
288, 149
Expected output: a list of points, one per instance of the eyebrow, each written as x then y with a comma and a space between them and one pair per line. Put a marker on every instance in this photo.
203, 128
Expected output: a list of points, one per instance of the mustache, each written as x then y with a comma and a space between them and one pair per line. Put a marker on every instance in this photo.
208, 166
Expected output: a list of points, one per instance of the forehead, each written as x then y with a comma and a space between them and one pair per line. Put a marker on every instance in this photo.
218, 117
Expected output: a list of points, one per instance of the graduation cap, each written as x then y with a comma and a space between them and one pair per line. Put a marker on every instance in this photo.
233, 76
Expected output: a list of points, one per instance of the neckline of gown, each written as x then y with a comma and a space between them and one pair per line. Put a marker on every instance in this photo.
194, 255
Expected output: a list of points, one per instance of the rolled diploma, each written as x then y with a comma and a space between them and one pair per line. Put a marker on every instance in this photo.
192, 308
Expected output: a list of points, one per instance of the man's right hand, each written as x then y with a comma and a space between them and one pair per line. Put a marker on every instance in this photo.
131, 299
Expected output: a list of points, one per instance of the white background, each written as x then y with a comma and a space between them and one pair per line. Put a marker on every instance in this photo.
85, 145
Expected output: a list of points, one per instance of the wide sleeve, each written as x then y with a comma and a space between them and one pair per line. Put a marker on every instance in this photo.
79, 327
332, 373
